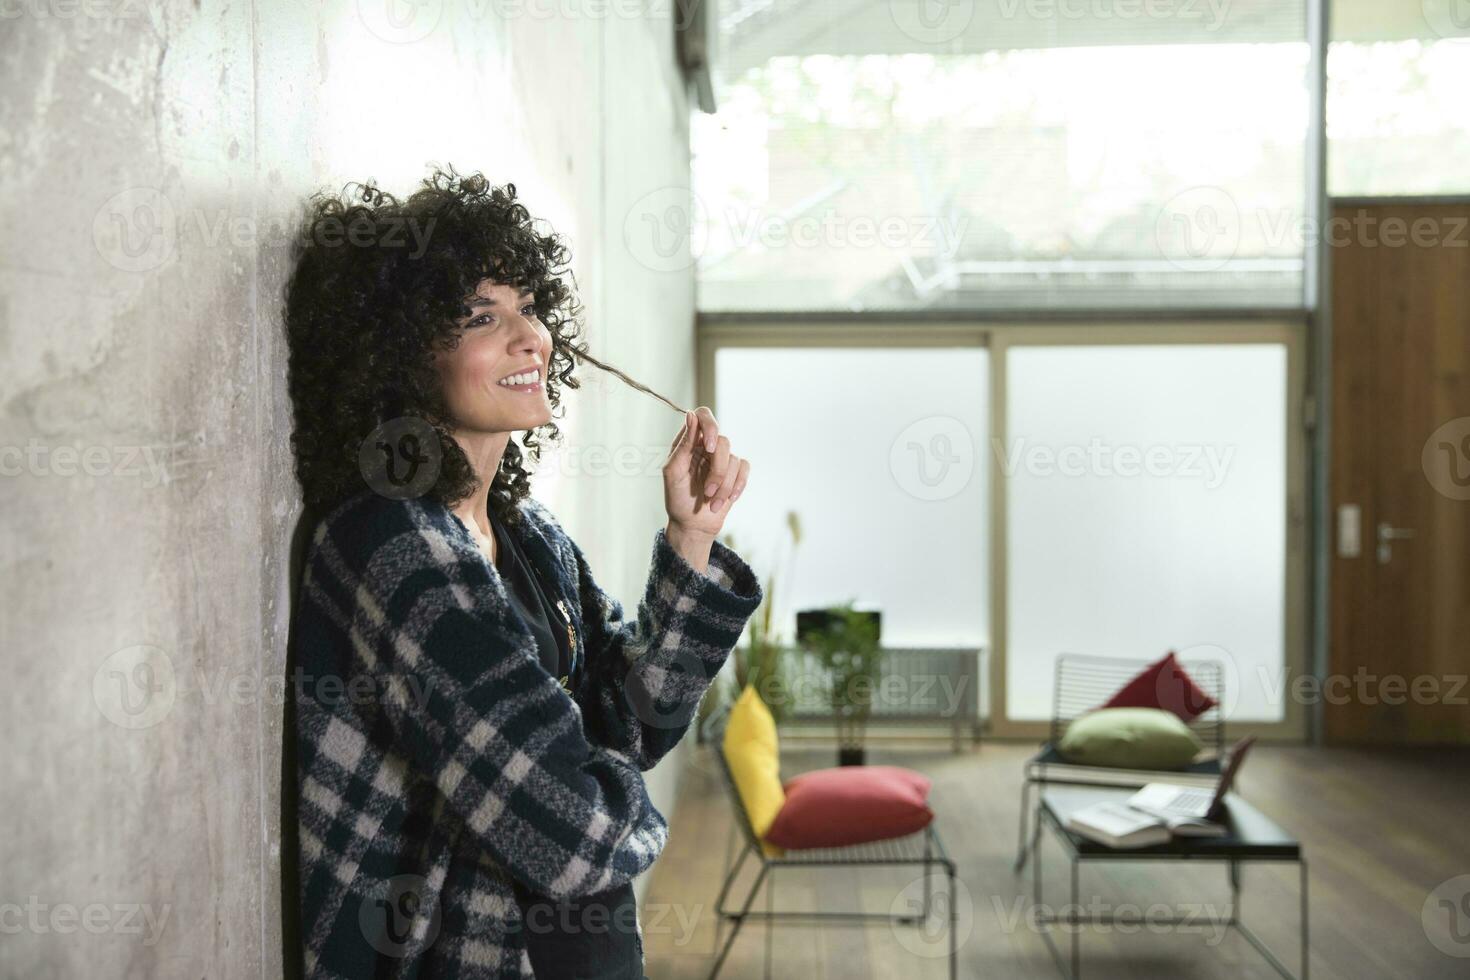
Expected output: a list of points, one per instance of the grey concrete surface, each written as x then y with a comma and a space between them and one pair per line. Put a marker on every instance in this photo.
152, 156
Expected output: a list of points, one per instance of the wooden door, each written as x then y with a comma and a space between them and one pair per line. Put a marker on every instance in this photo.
1399, 640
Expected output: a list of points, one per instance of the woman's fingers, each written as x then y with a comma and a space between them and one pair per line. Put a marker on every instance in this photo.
741, 480
719, 467
709, 429
683, 444
699, 449
725, 493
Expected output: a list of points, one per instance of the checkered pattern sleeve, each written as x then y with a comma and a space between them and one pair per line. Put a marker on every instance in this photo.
644, 679
502, 741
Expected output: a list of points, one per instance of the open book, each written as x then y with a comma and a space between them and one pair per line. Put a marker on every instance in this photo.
1120, 825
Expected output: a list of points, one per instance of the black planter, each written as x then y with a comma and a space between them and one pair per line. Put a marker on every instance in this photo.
851, 755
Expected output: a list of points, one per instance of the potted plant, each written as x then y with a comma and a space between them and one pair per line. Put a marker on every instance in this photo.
845, 642
760, 661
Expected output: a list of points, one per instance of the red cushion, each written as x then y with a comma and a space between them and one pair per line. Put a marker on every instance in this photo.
1164, 684
851, 805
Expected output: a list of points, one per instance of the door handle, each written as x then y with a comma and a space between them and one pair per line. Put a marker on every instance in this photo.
1388, 533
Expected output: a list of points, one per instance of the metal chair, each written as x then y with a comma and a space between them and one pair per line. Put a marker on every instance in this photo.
923, 850
1083, 683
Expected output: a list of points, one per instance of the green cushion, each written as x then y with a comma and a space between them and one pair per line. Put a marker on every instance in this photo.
1130, 738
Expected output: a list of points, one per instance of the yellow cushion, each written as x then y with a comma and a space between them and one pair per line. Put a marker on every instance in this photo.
754, 757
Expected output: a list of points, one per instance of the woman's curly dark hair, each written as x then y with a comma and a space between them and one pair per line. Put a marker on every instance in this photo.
377, 285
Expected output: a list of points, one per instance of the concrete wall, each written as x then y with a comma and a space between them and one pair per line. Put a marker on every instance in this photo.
151, 157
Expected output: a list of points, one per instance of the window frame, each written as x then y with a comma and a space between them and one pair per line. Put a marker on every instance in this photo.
998, 335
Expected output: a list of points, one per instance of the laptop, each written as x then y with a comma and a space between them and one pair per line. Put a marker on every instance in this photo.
1169, 800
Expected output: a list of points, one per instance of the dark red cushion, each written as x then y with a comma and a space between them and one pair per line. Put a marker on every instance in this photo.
1164, 684
851, 805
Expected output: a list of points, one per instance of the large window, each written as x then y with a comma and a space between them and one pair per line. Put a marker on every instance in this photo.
1004, 155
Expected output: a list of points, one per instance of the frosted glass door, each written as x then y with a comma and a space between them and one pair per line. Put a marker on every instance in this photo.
1146, 511
882, 452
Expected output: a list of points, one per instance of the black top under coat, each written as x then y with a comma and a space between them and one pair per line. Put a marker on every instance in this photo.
596, 936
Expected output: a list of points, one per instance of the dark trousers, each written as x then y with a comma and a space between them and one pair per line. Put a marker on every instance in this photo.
594, 937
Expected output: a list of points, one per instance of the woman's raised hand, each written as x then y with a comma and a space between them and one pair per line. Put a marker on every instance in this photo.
702, 478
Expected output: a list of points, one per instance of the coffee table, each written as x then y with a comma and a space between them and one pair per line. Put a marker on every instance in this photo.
1253, 837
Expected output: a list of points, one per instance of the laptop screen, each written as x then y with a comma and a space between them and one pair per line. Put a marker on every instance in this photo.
1232, 766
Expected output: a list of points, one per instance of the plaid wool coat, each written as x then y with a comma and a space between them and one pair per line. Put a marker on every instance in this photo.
437, 758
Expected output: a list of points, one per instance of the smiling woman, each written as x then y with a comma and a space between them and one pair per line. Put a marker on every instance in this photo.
480, 810
372, 318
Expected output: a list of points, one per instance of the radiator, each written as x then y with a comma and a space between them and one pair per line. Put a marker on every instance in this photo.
913, 686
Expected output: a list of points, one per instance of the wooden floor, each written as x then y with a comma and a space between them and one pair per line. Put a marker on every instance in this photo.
1380, 830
